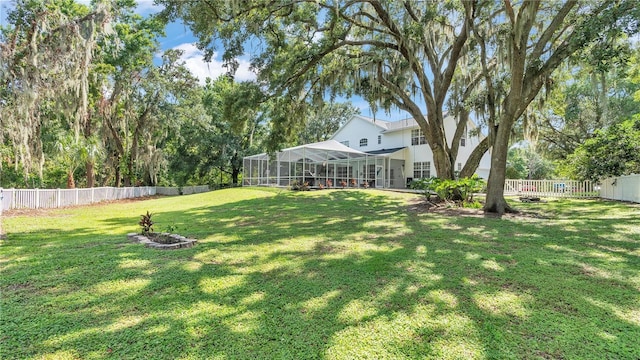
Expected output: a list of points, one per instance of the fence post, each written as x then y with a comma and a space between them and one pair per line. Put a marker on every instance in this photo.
76, 196
58, 198
92, 196
37, 198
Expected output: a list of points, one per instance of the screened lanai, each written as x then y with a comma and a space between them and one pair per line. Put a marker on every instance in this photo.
327, 164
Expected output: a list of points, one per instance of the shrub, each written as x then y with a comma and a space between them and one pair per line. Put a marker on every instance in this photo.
146, 223
426, 184
451, 190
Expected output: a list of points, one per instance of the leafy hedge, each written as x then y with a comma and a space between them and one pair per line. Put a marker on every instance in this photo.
451, 190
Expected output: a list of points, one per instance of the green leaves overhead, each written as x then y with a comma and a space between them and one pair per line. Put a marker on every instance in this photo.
45, 55
614, 151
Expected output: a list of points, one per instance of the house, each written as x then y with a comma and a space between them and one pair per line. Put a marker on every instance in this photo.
363, 152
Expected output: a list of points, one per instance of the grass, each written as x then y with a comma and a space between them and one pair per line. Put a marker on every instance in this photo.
321, 275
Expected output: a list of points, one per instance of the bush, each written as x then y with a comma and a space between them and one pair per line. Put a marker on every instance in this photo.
451, 190
146, 223
426, 184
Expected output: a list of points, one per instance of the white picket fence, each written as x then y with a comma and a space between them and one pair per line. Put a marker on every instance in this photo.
625, 188
551, 188
55, 198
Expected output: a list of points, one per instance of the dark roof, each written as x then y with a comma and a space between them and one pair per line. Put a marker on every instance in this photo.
384, 151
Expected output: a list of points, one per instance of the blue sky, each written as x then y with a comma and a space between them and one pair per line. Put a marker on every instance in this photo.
178, 36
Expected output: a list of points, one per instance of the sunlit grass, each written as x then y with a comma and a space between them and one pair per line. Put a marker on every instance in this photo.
328, 274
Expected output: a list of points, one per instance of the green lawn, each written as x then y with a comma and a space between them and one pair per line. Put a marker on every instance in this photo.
321, 275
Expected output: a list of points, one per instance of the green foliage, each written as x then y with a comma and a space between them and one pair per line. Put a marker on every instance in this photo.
591, 93
313, 51
324, 121
451, 190
426, 184
210, 147
526, 163
516, 165
46, 52
146, 223
99, 104
473, 204
611, 152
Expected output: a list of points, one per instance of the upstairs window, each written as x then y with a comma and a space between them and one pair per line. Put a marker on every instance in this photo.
379, 139
417, 137
364, 142
345, 143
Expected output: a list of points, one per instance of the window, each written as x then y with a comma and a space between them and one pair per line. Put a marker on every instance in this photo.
390, 177
345, 143
421, 170
364, 142
459, 166
379, 139
417, 137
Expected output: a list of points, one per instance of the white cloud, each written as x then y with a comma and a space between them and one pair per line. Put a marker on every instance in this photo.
146, 7
194, 61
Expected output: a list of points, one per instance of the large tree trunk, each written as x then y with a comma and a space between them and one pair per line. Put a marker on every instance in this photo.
436, 138
495, 202
442, 163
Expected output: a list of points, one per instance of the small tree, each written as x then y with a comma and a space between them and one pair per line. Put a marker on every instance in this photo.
146, 223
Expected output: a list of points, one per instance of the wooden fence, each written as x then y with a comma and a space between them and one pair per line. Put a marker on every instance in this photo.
551, 188
55, 198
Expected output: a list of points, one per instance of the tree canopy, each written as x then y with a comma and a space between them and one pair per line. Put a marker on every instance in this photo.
493, 58
613, 151
130, 113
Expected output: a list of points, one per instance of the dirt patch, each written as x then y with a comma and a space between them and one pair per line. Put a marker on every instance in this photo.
422, 205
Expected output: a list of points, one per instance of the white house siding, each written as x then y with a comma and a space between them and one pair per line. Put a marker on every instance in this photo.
398, 134
359, 128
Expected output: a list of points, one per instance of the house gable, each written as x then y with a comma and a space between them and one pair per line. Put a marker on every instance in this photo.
361, 133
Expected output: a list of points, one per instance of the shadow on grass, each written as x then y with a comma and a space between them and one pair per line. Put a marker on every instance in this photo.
328, 275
